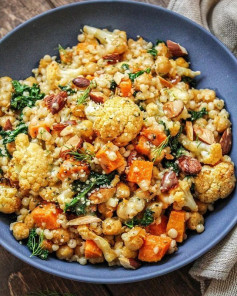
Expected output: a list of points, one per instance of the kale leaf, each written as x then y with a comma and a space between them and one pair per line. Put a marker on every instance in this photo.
197, 114
25, 95
133, 76
146, 220
125, 67
171, 164
10, 135
35, 245
152, 51
191, 81
176, 147
68, 89
113, 85
78, 204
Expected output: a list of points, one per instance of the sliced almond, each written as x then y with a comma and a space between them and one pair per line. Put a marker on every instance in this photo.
165, 82
173, 109
83, 220
204, 134
189, 130
176, 49
226, 141
129, 263
74, 143
97, 97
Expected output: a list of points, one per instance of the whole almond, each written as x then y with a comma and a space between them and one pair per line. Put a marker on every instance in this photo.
226, 141
204, 134
55, 103
81, 82
96, 98
176, 49
112, 58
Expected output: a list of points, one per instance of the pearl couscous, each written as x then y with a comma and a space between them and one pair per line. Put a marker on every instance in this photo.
110, 153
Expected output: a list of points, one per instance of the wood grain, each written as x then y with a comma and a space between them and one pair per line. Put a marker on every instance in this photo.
16, 277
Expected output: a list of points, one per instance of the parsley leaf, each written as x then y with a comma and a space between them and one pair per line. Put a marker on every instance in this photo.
9, 136
25, 95
125, 67
197, 114
157, 151
133, 76
68, 89
78, 204
35, 245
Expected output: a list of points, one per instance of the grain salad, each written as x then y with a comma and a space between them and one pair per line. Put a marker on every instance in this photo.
109, 153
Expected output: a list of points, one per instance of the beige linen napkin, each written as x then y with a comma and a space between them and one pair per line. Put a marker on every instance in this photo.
216, 270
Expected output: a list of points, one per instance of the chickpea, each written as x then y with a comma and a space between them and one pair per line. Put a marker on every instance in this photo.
194, 220
64, 252
111, 226
142, 194
156, 208
163, 65
86, 128
29, 221
123, 191
221, 123
78, 110
60, 236
134, 238
20, 231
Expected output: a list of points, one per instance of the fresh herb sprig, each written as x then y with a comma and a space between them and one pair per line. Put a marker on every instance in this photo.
86, 156
78, 204
25, 95
146, 220
34, 244
157, 151
85, 94
197, 114
152, 51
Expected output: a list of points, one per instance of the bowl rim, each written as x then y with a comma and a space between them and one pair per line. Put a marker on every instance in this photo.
130, 278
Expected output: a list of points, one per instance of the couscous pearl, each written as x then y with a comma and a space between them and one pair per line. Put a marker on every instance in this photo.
25, 201
200, 228
172, 233
55, 247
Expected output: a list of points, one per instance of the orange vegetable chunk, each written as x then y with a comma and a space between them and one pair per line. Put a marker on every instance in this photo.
46, 216
125, 87
156, 137
158, 229
154, 248
143, 146
34, 129
140, 170
109, 157
71, 166
92, 250
177, 221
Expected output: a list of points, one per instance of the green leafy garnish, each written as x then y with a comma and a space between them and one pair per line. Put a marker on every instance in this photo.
167, 131
35, 245
68, 89
86, 93
25, 95
78, 204
85, 156
133, 76
157, 151
125, 67
171, 164
160, 41
146, 220
197, 114
60, 48
9, 136
191, 81
176, 147
152, 51
113, 85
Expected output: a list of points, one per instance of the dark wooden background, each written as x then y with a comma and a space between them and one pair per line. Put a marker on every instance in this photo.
18, 278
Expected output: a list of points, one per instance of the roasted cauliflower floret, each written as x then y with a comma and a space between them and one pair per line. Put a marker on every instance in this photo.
208, 154
29, 165
6, 90
183, 197
115, 42
9, 202
120, 120
195, 220
215, 182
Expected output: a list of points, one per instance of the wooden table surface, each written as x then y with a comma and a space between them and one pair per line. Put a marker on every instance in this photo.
16, 277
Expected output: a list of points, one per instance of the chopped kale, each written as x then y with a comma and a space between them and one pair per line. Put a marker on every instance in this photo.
125, 67
146, 220
197, 114
171, 164
25, 95
152, 51
133, 76
10, 135
113, 85
191, 81
68, 89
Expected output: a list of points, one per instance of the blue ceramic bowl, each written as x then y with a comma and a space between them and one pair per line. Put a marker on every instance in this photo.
21, 50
